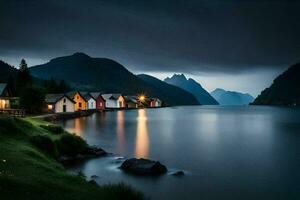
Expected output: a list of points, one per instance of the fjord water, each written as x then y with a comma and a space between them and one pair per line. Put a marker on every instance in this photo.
249, 152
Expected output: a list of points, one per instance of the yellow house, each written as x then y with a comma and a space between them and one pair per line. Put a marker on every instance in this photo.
80, 101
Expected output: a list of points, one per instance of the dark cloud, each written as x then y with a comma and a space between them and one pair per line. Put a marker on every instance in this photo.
165, 35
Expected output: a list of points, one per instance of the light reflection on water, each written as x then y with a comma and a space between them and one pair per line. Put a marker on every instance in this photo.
142, 140
120, 132
230, 152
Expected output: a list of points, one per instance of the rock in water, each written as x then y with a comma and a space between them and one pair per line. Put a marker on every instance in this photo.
143, 167
178, 173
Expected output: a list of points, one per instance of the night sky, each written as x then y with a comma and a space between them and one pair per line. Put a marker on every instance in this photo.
237, 45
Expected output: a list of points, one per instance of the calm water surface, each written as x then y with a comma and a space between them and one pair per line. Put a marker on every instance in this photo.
227, 152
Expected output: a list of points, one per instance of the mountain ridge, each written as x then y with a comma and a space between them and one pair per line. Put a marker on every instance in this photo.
193, 87
225, 97
87, 73
284, 90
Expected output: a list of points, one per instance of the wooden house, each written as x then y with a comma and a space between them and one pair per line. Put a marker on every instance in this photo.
155, 102
100, 101
91, 101
80, 101
5, 96
59, 103
131, 101
114, 101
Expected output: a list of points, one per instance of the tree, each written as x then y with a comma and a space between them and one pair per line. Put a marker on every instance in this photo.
32, 99
52, 86
63, 87
11, 84
24, 78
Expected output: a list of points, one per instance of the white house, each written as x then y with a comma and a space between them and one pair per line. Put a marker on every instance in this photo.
91, 101
114, 101
59, 103
155, 102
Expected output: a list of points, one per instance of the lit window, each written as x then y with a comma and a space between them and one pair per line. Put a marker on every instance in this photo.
50, 107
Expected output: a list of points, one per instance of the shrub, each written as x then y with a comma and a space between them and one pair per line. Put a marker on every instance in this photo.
53, 129
46, 144
71, 145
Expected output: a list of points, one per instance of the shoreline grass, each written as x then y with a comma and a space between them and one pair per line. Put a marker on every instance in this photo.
27, 172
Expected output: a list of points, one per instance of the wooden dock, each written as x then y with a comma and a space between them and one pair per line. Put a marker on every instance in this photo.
13, 112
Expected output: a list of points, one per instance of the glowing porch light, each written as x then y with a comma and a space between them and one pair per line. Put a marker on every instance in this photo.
142, 98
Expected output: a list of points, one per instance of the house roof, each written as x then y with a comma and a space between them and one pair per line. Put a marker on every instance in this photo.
111, 96
73, 93
96, 95
2, 88
132, 99
87, 96
155, 99
53, 98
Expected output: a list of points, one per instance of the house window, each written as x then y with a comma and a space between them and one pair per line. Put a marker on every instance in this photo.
80, 105
92, 104
101, 104
50, 107
64, 100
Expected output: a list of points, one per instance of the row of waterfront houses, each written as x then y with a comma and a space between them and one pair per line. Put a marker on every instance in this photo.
80, 101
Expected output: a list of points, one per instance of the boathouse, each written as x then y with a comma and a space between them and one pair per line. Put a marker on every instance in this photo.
59, 103
100, 101
80, 101
114, 101
155, 102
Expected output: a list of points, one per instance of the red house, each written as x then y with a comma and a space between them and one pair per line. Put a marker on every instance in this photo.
100, 102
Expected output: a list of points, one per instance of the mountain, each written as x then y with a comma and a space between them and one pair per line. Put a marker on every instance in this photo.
284, 90
193, 87
86, 73
231, 97
6, 71
175, 94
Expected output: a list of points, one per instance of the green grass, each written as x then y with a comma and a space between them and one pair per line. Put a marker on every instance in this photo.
26, 172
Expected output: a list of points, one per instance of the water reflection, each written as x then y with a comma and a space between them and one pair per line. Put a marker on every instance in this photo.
142, 140
74, 126
120, 132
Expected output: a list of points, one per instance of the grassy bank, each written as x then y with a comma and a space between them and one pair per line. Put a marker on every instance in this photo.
29, 172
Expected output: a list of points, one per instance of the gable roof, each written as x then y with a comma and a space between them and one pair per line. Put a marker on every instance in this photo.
53, 98
132, 99
155, 99
2, 88
87, 96
111, 96
73, 93
96, 95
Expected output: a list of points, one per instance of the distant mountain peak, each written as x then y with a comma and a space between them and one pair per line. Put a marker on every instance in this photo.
179, 77
219, 90
193, 87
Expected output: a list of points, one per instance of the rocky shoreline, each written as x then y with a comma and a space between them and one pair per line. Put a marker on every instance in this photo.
90, 152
